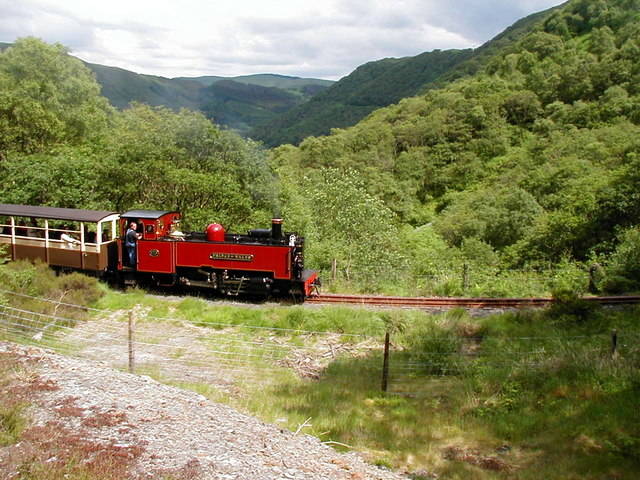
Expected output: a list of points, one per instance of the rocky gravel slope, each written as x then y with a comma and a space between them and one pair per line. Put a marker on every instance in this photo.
166, 432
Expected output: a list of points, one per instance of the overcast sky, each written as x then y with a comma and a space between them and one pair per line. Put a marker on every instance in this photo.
321, 38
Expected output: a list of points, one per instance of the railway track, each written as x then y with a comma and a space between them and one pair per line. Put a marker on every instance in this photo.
452, 302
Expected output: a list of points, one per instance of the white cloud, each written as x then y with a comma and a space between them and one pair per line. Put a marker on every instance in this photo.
327, 38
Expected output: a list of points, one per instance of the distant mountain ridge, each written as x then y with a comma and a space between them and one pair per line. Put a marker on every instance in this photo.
238, 103
278, 109
265, 80
384, 82
122, 87
369, 87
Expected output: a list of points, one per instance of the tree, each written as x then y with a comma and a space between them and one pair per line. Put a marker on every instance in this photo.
348, 224
157, 158
623, 271
46, 98
602, 42
499, 216
67, 178
522, 108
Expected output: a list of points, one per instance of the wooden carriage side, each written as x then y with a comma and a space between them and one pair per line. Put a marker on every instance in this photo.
61, 237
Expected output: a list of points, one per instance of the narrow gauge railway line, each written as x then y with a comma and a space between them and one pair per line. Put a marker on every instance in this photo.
452, 302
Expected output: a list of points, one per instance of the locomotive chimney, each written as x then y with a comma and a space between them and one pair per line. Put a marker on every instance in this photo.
276, 228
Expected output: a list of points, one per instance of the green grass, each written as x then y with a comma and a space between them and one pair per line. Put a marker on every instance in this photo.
12, 423
345, 320
12, 409
447, 284
482, 281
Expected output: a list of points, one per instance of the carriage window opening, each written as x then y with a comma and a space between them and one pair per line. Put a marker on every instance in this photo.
21, 227
90, 234
5, 226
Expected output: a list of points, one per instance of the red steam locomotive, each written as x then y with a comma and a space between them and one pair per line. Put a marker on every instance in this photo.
264, 262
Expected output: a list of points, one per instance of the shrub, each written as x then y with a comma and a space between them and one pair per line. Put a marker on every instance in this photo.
434, 348
40, 289
570, 281
623, 272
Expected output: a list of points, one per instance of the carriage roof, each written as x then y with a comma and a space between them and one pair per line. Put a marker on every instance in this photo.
55, 213
147, 214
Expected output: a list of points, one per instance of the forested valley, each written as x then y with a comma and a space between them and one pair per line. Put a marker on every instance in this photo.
518, 176
519, 180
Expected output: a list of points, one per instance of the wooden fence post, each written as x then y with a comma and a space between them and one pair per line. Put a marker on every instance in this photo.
614, 343
465, 276
385, 363
131, 357
5, 321
334, 269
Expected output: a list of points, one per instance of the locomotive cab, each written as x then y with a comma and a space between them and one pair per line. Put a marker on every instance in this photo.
153, 252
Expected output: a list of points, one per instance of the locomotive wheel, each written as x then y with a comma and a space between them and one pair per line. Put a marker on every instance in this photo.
297, 296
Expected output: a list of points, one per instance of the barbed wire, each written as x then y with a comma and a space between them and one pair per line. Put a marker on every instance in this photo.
13, 327
20, 329
115, 334
265, 346
58, 302
266, 353
274, 350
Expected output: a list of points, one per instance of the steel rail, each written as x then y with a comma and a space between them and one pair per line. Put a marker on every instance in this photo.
452, 302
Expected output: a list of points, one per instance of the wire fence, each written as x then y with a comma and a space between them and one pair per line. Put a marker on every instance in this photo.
175, 349
231, 355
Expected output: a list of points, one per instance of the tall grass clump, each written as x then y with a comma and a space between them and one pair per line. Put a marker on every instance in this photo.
55, 300
12, 423
12, 410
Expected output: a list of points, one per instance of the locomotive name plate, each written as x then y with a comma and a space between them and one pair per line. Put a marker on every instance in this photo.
234, 257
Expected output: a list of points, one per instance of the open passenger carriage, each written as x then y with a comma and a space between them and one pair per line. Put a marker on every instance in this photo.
64, 238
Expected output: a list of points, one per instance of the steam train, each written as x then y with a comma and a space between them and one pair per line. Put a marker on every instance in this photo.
263, 262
